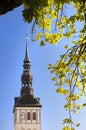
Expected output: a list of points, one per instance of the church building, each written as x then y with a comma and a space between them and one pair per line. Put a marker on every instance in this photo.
27, 107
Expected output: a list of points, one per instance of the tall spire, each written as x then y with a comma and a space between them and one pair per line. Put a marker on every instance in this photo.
27, 92
26, 77
26, 52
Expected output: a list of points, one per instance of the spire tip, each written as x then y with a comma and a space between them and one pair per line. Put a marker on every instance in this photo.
26, 52
27, 38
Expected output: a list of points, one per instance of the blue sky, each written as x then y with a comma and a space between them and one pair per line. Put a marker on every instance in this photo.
13, 31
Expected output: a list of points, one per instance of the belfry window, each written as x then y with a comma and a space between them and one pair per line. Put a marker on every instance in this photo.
34, 116
28, 116
26, 84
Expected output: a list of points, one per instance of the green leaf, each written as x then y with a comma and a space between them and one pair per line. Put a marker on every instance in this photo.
42, 43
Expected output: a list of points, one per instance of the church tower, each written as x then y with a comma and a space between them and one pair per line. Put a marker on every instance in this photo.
27, 108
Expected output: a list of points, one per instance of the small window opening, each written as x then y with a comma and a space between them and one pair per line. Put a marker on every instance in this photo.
28, 116
34, 116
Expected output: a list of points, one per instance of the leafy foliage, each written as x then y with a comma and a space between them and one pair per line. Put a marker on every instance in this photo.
50, 23
70, 78
52, 20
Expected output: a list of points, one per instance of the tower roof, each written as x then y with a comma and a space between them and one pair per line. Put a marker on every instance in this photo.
26, 77
26, 93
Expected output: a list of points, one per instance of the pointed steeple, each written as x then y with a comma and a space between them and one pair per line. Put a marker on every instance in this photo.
26, 52
26, 77
27, 92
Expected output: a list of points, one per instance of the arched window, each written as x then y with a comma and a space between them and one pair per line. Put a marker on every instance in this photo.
34, 116
28, 116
